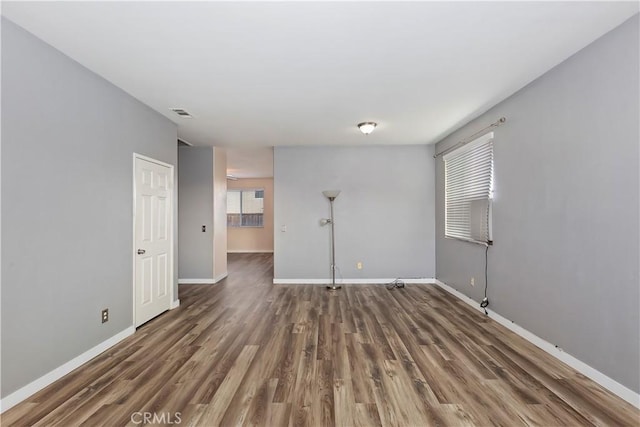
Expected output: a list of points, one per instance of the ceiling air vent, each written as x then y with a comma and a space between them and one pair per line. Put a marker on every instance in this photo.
182, 113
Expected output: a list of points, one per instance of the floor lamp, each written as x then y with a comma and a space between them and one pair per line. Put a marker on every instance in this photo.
331, 195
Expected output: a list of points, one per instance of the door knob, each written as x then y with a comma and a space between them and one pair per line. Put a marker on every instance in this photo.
141, 251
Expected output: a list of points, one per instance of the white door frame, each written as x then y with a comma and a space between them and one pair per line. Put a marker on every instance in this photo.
171, 233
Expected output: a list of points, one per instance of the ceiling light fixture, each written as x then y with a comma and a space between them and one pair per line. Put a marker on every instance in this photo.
367, 127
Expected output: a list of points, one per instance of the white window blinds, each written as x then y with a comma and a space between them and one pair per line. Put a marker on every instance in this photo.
468, 190
233, 202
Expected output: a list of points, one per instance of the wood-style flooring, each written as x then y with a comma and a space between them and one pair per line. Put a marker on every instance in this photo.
247, 352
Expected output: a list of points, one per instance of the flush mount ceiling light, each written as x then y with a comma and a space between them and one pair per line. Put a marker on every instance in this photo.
367, 127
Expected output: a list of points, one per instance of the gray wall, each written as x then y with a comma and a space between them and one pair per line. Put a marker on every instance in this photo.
68, 138
565, 260
195, 209
384, 216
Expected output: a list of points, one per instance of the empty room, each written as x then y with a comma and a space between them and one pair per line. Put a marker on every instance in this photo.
320, 213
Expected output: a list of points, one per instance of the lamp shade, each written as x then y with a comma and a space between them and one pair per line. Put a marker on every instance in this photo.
367, 127
331, 194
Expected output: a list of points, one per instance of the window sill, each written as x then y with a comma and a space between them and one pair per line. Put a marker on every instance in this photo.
476, 242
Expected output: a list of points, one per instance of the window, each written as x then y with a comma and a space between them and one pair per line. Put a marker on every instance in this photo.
245, 208
468, 175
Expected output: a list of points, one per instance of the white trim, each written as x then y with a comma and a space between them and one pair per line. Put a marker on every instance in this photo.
419, 281
462, 297
415, 281
203, 281
174, 304
610, 384
172, 198
196, 281
220, 277
185, 142
152, 160
258, 251
40, 383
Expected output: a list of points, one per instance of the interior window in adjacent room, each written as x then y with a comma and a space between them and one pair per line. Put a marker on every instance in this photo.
245, 208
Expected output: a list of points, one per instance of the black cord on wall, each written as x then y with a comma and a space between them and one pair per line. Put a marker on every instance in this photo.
485, 301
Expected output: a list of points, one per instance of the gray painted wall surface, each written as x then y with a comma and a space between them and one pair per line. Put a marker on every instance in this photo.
384, 216
195, 209
68, 138
565, 260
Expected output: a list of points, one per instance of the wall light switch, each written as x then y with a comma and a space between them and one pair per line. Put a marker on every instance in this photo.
283, 228
359, 265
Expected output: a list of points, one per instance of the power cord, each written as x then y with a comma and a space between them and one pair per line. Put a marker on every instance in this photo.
485, 301
395, 284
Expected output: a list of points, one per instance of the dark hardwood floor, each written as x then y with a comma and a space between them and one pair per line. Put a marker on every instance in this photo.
247, 352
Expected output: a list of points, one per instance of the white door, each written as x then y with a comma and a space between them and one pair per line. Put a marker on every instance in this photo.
153, 230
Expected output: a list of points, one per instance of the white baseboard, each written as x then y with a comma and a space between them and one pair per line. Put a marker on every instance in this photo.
174, 304
202, 281
421, 281
37, 385
257, 251
196, 281
382, 281
610, 384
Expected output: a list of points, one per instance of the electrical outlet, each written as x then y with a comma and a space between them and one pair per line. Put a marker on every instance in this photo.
105, 315
473, 281
359, 265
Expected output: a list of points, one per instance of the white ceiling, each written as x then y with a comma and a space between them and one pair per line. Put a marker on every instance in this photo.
289, 73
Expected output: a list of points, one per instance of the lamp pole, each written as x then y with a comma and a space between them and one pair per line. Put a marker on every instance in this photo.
331, 195
333, 250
